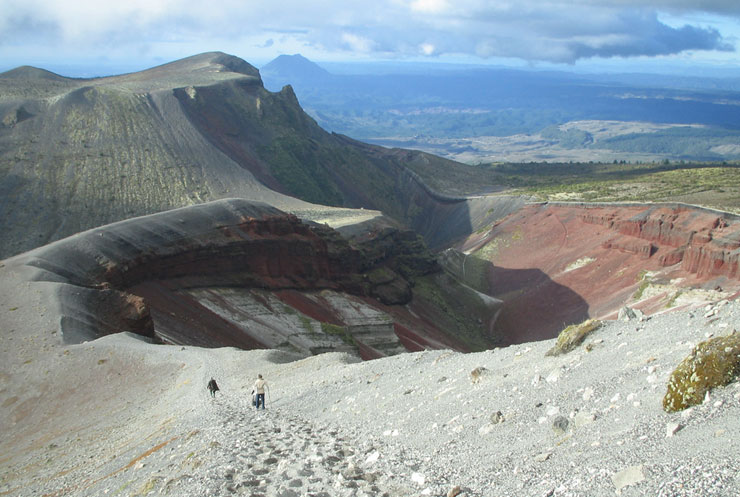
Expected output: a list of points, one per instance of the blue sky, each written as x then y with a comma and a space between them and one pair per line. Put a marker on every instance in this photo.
104, 36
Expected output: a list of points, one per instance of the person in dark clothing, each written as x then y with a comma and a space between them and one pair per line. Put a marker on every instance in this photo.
213, 387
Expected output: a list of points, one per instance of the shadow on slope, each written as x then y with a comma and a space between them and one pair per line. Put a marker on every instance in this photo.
534, 306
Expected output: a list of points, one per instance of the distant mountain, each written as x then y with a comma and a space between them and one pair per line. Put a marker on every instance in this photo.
289, 69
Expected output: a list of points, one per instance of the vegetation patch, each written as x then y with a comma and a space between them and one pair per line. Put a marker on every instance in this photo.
712, 184
306, 323
340, 331
644, 283
572, 336
712, 363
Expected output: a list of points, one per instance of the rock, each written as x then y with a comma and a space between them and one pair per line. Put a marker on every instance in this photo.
560, 425
372, 458
497, 417
672, 429
352, 473
543, 457
418, 478
477, 374
485, 429
583, 419
588, 393
628, 476
454, 491
553, 376
626, 314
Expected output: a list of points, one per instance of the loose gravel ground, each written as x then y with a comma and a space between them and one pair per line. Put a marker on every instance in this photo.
119, 416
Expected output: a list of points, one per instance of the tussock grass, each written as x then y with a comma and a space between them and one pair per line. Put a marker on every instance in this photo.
712, 363
572, 336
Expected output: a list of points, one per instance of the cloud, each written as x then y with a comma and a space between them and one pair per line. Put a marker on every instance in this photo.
533, 30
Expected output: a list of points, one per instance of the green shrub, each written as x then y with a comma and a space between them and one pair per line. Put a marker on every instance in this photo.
572, 336
712, 363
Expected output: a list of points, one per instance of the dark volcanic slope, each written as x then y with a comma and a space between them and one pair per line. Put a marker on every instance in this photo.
244, 274
77, 153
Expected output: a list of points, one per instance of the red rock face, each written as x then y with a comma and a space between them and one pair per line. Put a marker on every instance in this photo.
556, 264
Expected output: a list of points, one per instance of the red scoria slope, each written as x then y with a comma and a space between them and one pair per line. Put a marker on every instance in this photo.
556, 264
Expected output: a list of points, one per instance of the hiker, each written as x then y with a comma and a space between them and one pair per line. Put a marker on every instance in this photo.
259, 391
213, 387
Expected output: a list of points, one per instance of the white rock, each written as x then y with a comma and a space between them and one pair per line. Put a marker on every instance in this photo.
583, 419
553, 410
615, 398
372, 458
553, 376
418, 478
672, 428
628, 476
588, 393
543, 457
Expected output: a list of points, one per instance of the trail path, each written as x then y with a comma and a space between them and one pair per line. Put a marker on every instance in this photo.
240, 450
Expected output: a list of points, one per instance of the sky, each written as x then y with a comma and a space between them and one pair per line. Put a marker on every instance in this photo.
99, 37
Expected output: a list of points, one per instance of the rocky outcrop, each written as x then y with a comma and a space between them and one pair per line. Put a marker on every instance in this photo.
704, 241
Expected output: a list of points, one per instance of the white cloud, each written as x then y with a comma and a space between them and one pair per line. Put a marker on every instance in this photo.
357, 43
533, 30
427, 48
433, 6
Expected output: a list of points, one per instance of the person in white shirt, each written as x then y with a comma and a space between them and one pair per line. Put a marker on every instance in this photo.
259, 390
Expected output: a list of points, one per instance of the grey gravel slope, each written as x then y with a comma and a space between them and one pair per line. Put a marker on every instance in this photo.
118, 416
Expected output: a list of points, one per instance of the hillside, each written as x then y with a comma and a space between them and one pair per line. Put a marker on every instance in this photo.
80, 153
183, 223
119, 416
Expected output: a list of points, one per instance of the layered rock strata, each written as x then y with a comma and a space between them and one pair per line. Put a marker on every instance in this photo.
237, 273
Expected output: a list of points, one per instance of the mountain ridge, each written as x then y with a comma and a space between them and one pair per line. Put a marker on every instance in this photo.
88, 152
